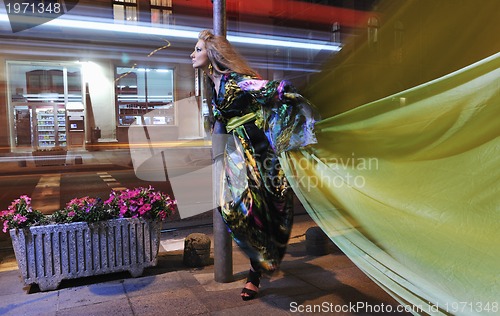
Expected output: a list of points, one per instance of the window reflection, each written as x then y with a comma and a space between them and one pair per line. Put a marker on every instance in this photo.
141, 91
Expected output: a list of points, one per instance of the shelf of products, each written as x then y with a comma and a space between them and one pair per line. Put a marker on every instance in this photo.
51, 127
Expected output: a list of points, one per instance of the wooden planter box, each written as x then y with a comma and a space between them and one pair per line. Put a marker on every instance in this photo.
48, 254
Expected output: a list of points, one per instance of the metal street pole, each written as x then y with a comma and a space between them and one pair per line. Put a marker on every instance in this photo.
220, 26
223, 247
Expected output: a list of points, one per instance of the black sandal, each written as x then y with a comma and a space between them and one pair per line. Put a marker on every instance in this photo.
254, 278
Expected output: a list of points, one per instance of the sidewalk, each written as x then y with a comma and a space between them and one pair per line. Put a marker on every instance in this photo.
326, 284
329, 284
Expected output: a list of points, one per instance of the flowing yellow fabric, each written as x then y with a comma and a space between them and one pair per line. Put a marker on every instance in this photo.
408, 187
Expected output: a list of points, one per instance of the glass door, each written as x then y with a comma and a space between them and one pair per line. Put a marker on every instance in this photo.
61, 126
22, 125
50, 126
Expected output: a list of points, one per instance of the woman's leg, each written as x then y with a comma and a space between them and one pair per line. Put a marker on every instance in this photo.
251, 288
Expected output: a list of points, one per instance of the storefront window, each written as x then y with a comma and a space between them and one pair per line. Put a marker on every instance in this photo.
142, 91
40, 94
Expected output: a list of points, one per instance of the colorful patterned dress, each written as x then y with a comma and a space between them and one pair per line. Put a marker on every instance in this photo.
262, 119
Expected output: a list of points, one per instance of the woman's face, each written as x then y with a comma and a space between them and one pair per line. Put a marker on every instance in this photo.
199, 57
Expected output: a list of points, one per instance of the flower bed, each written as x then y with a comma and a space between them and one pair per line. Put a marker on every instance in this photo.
87, 237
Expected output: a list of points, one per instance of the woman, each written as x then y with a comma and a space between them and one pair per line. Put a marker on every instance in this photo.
262, 119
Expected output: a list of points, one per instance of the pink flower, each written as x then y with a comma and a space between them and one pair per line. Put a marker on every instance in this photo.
20, 218
123, 210
110, 200
141, 202
162, 215
14, 204
132, 194
144, 209
19, 214
26, 198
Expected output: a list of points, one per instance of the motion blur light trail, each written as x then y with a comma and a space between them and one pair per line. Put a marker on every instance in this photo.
188, 33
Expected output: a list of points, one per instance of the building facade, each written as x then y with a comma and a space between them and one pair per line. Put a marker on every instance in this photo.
104, 67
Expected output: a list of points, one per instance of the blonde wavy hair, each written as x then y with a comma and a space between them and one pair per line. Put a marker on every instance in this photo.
222, 55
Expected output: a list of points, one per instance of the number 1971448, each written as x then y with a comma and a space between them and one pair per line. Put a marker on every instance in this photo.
33, 8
